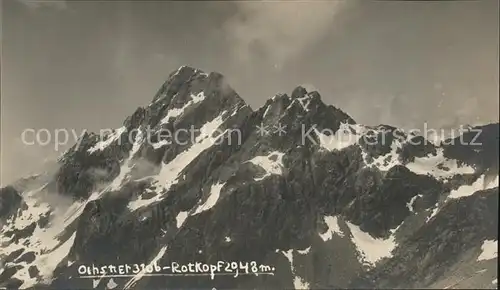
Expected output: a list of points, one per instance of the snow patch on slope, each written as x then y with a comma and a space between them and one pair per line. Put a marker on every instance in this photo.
345, 136
438, 166
175, 112
73, 212
102, 144
298, 282
44, 242
136, 278
111, 284
45, 263
433, 213
266, 111
305, 251
161, 143
35, 209
467, 190
272, 164
169, 173
386, 162
491, 184
126, 167
211, 200
411, 203
181, 218
371, 249
333, 228
489, 250
305, 101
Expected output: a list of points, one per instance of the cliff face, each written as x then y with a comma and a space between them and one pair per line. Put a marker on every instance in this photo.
297, 191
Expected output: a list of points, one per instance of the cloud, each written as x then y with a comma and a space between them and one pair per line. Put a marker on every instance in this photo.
35, 4
279, 31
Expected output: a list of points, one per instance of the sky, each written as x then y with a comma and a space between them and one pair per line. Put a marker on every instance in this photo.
87, 65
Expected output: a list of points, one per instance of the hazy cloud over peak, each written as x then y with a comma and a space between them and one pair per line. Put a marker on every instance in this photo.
279, 31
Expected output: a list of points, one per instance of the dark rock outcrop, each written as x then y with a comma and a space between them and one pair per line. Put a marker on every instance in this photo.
10, 201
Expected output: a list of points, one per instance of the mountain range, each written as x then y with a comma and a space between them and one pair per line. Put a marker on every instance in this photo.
294, 195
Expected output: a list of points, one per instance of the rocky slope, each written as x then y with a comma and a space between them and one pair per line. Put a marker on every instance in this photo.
297, 191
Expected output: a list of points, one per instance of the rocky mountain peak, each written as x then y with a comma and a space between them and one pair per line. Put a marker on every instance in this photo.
187, 81
299, 92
